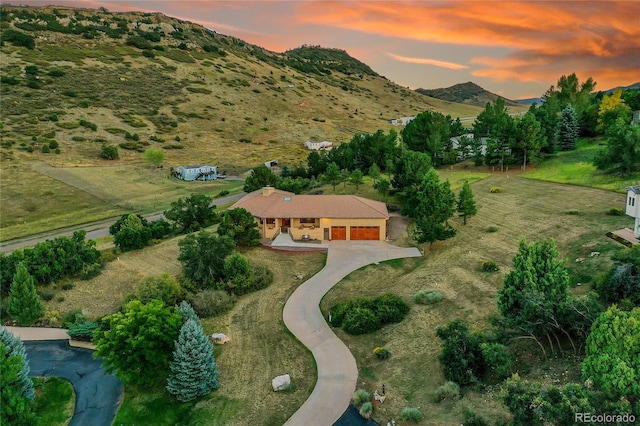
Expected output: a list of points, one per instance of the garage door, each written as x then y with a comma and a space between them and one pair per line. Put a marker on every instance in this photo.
364, 233
338, 232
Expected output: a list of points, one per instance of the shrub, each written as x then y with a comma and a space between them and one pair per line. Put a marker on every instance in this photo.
497, 358
615, 211
495, 189
490, 229
67, 286
53, 144
427, 297
210, 303
222, 193
339, 311
360, 321
83, 331
381, 353
390, 308
148, 53
45, 149
29, 149
473, 419
90, 271
489, 266
366, 410
449, 390
47, 295
57, 151
360, 397
572, 212
163, 287
109, 152
409, 413
74, 317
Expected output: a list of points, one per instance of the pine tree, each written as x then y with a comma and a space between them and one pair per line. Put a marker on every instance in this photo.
466, 202
568, 129
193, 369
432, 207
24, 305
14, 347
186, 310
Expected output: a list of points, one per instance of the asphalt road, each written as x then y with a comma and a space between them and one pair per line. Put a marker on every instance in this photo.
97, 395
94, 230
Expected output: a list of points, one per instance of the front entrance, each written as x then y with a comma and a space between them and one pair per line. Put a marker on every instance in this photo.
286, 223
338, 232
326, 234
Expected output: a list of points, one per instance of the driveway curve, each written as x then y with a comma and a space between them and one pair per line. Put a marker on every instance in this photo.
337, 369
97, 394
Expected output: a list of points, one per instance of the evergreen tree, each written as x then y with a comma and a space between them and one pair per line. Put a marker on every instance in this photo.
432, 207
466, 202
188, 313
193, 369
14, 347
24, 304
374, 173
15, 409
332, 175
240, 225
568, 129
356, 178
529, 139
260, 177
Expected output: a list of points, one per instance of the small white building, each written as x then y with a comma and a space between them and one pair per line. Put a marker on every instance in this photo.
633, 206
402, 121
318, 145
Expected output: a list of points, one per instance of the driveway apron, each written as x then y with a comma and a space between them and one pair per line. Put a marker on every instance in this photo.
337, 370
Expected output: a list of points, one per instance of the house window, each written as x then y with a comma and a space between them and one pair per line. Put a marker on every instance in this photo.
307, 220
632, 201
271, 221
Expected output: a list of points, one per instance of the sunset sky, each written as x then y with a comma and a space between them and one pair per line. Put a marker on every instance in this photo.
516, 49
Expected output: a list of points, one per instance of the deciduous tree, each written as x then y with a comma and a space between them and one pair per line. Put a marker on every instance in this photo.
612, 359
432, 206
153, 156
466, 202
622, 152
202, 257
24, 305
192, 213
332, 175
260, 177
374, 172
356, 178
528, 140
136, 343
193, 370
240, 225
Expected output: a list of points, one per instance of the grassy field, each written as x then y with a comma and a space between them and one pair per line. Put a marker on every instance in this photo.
261, 347
526, 208
55, 401
575, 168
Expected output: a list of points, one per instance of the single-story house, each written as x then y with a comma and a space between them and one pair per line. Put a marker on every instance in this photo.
318, 145
204, 172
633, 207
402, 121
316, 217
456, 141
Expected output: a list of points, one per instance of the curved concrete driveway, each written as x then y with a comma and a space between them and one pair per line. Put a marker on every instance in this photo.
97, 394
337, 370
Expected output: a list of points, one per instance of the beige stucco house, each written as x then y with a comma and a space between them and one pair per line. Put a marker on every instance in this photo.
633, 207
316, 217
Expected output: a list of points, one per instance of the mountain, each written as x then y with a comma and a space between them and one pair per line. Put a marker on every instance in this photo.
82, 78
540, 101
465, 93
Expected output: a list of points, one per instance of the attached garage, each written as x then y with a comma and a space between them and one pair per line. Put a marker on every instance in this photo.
338, 232
364, 233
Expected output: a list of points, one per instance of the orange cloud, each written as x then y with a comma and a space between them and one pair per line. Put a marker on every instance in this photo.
544, 37
426, 61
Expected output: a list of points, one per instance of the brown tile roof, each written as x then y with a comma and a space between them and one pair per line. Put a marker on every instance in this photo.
283, 204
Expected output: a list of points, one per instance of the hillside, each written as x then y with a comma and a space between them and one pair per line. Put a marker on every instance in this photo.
227, 101
465, 93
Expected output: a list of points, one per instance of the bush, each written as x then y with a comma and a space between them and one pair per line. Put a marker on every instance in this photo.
495, 189
490, 229
53, 144
90, 271
339, 311
74, 317
222, 193
366, 410
489, 266
381, 353
83, 331
572, 212
45, 149
390, 308
47, 295
615, 211
57, 151
67, 286
409, 413
360, 321
163, 287
109, 152
449, 390
211, 303
497, 358
427, 297
360, 397
473, 419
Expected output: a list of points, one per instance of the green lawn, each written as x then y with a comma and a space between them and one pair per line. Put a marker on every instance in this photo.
575, 168
55, 401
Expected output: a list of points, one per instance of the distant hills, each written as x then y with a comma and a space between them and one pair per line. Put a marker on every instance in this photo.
540, 100
467, 93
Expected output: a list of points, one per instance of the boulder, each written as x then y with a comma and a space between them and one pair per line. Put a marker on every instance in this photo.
280, 382
220, 338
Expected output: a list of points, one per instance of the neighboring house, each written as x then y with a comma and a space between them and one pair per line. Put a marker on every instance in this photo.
633, 207
635, 118
402, 121
204, 172
318, 145
455, 144
316, 217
